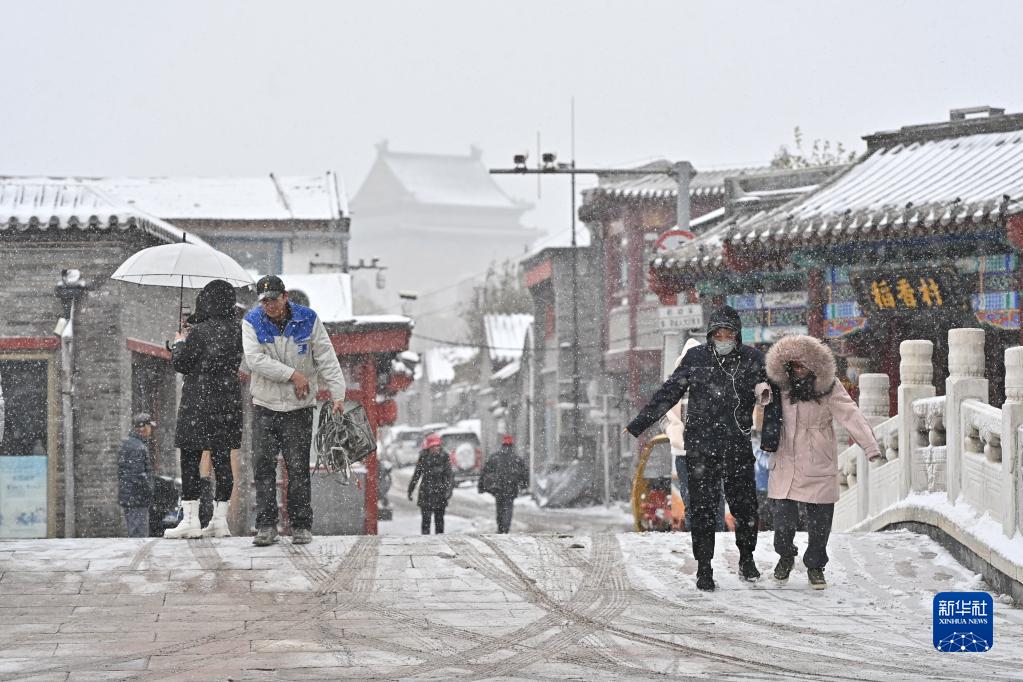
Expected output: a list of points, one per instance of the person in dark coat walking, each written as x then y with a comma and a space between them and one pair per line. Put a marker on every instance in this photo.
504, 475
134, 480
725, 380
438, 480
210, 414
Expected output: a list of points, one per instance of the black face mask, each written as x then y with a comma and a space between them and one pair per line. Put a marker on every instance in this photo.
802, 389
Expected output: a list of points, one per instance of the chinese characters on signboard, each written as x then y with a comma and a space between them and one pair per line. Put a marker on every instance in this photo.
905, 293
909, 293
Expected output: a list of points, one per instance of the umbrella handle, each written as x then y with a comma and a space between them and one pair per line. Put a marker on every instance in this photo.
181, 298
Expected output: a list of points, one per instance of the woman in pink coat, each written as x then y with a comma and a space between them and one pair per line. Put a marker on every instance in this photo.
805, 468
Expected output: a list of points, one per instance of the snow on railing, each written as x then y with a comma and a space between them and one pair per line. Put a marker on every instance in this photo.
955, 443
929, 451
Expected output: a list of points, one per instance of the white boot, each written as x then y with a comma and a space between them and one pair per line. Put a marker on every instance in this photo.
217, 527
189, 526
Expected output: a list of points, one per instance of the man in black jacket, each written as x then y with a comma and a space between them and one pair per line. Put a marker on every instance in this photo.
504, 475
725, 380
134, 484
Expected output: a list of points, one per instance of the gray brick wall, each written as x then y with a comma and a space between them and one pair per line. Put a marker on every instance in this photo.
110, 312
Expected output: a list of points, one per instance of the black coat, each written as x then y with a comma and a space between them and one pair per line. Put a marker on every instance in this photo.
134, 484
721, 393
504, 474
210, 414
438, 480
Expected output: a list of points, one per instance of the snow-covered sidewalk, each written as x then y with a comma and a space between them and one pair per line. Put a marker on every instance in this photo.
600, 606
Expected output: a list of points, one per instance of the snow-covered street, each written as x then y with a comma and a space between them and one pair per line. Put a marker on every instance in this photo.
594, 606
470, 512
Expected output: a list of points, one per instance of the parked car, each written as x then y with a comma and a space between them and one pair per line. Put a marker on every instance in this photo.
466, 452
402, 447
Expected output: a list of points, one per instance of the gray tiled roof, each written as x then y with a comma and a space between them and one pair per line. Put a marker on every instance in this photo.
970, 179
705, 183
62, 204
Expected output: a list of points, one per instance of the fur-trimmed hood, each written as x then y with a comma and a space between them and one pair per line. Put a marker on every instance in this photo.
807, 350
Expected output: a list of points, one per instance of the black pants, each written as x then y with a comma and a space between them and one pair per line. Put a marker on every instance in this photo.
730, 462
190, 488
290, 435
818, 527
438, 521
505, 507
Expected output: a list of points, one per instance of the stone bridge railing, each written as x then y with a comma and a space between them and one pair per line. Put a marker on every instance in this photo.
954, 456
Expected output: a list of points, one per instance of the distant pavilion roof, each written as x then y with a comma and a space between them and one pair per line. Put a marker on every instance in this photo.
444, 179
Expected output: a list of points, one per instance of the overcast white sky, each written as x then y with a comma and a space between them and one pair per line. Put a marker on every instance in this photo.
208, 88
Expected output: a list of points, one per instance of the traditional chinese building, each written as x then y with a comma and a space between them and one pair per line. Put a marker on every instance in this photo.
632, 222
433, 219
920, 235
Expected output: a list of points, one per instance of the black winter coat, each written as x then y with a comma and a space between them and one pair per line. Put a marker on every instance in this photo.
210, 414
438, 480
134, 484
721, 393
504, 474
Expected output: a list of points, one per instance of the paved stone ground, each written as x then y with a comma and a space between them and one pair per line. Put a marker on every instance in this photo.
601, 606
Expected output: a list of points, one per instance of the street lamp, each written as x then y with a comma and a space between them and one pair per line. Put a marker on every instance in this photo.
69, 292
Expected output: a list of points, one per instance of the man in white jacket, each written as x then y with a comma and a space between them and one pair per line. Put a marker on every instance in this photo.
288, 352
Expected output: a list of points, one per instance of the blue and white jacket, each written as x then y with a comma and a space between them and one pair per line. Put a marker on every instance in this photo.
272, 357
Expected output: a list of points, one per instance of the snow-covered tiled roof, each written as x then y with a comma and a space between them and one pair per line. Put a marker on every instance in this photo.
448, 180
440, 362
704, 183
270, 197
506, 335
46, 203
751, 198
969, 179
506, 372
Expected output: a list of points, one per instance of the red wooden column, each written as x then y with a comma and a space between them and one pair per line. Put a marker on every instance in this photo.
368, 389
815, 303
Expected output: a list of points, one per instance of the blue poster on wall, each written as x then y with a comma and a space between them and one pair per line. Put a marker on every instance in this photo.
23, 497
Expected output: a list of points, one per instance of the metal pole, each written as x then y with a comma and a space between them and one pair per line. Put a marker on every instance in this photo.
577, 445
607, 448
67, 406
576, 432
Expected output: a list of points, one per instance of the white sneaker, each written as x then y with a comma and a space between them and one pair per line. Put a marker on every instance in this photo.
189, 525
217, 527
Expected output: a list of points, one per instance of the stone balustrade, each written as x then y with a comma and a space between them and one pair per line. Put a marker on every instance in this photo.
957, 443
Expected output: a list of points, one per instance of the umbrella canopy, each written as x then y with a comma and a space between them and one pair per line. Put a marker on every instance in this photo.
183, 265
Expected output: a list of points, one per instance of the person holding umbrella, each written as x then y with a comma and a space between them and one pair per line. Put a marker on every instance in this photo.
208, 354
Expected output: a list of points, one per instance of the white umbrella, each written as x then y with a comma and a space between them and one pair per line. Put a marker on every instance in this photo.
181, 265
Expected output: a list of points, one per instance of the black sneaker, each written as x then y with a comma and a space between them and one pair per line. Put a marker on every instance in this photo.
301, 536
748, 569
265, 536
705, 578
784, 568
816, 576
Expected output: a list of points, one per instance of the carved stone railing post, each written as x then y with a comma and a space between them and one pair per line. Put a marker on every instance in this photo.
916, 372
874, 401
1012, 417
965, 381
